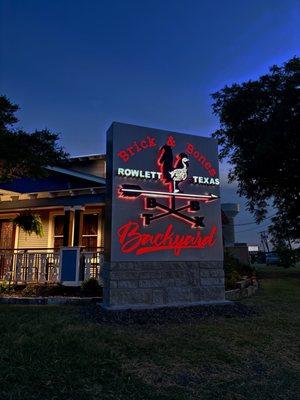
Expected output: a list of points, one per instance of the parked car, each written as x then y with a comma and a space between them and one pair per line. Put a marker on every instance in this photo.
258, 258
272, 259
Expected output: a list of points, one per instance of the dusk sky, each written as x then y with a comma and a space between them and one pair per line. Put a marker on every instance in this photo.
76, 66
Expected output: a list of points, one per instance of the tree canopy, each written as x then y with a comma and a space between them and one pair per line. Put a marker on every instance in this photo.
259, 136
24, 154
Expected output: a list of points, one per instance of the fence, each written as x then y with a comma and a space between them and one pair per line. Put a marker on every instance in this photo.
43, 265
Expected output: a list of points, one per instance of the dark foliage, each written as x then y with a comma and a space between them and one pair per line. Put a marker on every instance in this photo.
24, 154
29, 223
259, 135
44, 290
287, 256
91, 288
235, 270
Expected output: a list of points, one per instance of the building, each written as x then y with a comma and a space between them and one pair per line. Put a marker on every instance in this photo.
70, 201
230, 211
241, 251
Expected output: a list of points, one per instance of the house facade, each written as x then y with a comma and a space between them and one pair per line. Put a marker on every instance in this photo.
70, 201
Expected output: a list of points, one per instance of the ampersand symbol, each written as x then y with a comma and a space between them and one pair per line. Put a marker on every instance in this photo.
171, 141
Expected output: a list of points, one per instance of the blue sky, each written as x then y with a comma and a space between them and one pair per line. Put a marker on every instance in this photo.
76, 66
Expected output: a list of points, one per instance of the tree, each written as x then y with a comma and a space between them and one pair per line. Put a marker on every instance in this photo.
24, 154
259, 136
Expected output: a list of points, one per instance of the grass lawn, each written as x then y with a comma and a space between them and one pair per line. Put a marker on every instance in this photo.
51, 352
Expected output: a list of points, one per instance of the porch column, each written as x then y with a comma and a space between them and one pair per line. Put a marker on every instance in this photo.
67, 228
78, 212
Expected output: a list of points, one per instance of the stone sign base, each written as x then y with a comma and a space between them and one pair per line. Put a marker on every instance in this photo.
160, 284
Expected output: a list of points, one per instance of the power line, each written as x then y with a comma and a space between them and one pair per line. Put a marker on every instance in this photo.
250, 223
253, 229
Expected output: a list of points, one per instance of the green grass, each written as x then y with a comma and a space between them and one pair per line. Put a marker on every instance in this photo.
274, 271
49, 352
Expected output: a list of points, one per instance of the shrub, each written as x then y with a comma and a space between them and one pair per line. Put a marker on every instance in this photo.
49, 289
3, 288
235, 270
34, 290
91, 288
287, 256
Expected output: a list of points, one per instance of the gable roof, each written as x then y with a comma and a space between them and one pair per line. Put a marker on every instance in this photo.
88, 157
59, 178
77, 174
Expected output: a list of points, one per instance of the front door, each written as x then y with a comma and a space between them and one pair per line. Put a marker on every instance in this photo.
7, 234
7, 241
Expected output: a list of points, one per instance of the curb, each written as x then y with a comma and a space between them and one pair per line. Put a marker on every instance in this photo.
49, 300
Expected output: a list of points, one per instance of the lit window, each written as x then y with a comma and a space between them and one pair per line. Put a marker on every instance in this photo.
59, 221
90, 231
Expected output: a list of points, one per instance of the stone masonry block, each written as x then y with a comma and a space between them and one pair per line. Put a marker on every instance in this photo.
124, 275
158, 296
212, 281
178, 295
181, 282
211, 273
130, 296
127, 284
173, 274
156, 283
150, 275
162, 283
214, 293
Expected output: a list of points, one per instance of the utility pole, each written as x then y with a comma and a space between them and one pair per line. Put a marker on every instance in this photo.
264, 241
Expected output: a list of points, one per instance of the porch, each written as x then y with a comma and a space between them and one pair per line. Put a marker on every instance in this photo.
70, 202
28, 258
21, 266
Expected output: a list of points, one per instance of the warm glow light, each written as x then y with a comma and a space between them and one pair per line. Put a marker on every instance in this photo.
133, 241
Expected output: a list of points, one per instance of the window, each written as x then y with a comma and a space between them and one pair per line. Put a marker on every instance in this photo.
59, 221
7, 234
89, 238
90, 231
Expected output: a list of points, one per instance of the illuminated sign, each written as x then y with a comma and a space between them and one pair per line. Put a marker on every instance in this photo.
133, 241
162, 196
135, 173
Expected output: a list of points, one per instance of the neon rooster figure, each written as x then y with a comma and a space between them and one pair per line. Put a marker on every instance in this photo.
170, 174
